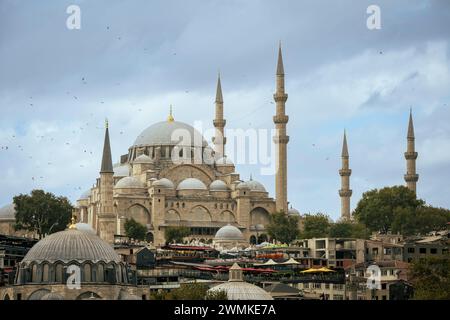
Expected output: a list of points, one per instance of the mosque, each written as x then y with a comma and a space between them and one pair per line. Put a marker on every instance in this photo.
160, 183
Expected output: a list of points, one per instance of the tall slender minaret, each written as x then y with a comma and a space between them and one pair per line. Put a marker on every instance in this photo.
345, 193
106, 218
219, 123
411, 177
281, 139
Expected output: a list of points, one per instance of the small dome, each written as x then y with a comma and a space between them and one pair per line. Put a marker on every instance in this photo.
163, 183
218, 185
191, 184
71, 245
143, 158
121, 170
293, 212
129, 182
242, 185
242, 291
85, 195
84, 227
224, 161
229, 232
7, 212
256, 186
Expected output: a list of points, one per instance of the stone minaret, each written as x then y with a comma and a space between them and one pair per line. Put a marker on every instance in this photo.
345, 193
411, 177
219, 123
281, 139
106, 218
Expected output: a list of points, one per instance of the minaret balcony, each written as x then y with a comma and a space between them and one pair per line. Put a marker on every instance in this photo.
345, 193
283, 119
224, 140
219, 123
281, 139
345, 172
411, 155
280, 97
411, 177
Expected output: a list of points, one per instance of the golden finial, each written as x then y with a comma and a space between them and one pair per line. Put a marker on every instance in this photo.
170, 117
72, 224
106, 123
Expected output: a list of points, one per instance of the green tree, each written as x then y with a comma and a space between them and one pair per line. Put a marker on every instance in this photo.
315, 226
135, 230
348, 229
283, 228
176, 234
190, 291
431, 278
42, 212
377, 209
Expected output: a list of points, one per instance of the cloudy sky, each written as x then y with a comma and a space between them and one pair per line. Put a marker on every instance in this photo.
130, 60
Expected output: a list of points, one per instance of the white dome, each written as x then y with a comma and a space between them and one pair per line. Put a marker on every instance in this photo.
255, 186
229, 232
191, 184
85, 195
129, 182
218, 185
224, 161
170, 133
7, 212
121, 170
143, 158
243, 185
293, 212
240, 290
163, 183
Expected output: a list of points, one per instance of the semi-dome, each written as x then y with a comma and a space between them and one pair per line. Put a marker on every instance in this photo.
191, 184
7, 212
229, 232
52, 296
71, 245
85, 195
218, 185
129, 182
163, 183
121, 170
143, 158
255, 186
170, 133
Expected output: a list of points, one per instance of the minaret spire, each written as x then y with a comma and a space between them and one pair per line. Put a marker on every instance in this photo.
345, 192
106, 220
219, 122
107, 166
280, 139
411, 177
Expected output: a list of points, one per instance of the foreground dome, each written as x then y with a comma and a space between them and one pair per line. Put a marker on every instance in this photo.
72, 245
129, 182
170, 133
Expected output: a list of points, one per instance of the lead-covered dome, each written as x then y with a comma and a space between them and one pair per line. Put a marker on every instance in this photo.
7, 212
229, 232
255, 186
191, 184
71, 245
85, 195
218, 185
170, 133
293, 212
163, 183
129, 182
143, 158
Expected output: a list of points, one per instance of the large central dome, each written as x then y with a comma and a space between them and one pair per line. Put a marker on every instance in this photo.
170, 133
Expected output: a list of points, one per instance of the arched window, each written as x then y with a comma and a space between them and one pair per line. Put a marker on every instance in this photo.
34, 273
59, 273
45, 273
100, 273
87, 272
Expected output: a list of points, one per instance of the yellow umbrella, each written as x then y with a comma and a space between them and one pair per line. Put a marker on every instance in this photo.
325, 269
311, 270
